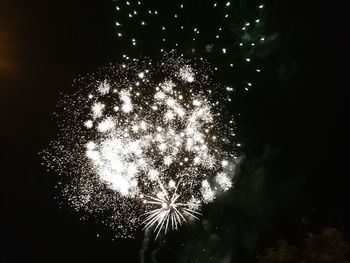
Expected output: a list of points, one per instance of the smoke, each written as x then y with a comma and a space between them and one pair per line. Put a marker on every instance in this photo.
145, 245
235, 228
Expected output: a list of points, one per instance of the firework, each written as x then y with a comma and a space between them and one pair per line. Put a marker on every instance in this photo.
144, 143
169, 210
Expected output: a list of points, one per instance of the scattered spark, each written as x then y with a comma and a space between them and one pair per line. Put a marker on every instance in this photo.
104, 88
89, 124
223, 181
186, 74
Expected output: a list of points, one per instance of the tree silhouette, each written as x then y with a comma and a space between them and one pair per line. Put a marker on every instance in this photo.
327, 247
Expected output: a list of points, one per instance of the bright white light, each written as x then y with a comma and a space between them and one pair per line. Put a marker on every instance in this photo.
223, 181
172, 184
106, 125
90, 145
186, 74
97, 109
104, 88
224, 163
88, 124
196, 103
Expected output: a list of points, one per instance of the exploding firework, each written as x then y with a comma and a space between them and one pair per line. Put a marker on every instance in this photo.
145, 144
169, 209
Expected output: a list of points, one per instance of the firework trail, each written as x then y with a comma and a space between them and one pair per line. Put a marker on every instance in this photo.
143, 144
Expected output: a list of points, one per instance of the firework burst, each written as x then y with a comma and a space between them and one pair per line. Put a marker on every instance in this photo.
144, 143
169, 210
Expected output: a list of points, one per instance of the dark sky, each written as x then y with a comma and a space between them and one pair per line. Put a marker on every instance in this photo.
294, 178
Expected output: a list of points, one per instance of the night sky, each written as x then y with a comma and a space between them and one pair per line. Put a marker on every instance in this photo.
292, 125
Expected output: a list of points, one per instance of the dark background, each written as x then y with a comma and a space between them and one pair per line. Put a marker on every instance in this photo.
295, 173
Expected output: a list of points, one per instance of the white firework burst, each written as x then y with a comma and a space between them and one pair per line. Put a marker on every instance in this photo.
137, 130
169, 211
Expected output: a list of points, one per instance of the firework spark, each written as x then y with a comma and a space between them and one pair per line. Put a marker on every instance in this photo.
169, 210
142, 128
